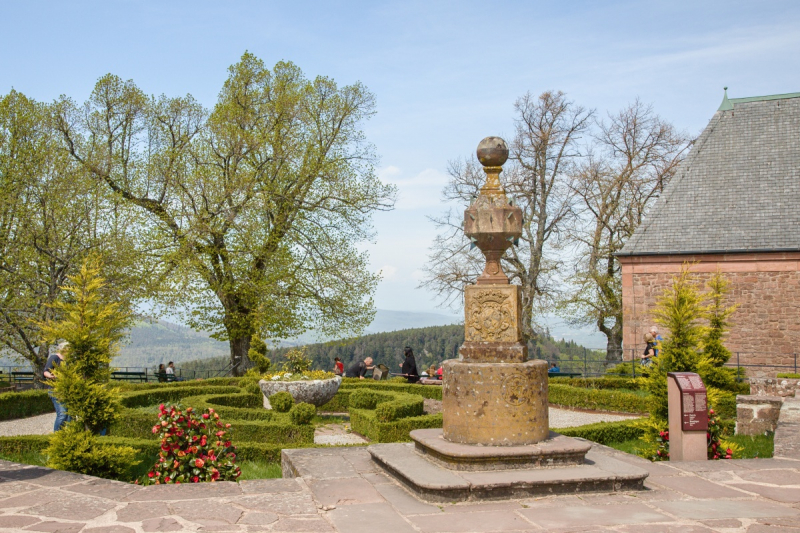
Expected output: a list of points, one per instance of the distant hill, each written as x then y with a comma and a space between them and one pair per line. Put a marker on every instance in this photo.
160, 342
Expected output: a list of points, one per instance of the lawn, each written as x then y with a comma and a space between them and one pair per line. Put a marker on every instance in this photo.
760, 446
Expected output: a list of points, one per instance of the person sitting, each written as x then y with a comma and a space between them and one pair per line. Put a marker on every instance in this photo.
359, 368
409, 366
161, 373
338, 366
554, 369
439, 372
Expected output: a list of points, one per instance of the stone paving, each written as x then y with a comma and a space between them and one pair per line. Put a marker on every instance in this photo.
344, 491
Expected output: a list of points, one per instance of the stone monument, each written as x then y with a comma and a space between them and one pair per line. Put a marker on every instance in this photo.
495, 442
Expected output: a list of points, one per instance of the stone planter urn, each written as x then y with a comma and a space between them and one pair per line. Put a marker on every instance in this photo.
314, 391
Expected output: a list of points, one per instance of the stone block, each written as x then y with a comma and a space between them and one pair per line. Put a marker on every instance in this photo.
757, 415
498, 404
492, 313
556, 450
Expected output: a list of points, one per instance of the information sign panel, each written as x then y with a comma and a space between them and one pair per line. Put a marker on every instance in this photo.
694, 401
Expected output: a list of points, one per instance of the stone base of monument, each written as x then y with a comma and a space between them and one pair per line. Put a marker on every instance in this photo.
437, 470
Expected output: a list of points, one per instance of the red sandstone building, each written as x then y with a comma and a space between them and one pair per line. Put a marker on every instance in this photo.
734, 205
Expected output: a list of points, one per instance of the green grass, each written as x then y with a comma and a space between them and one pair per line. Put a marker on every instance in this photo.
760, 446
28, 458
259, 470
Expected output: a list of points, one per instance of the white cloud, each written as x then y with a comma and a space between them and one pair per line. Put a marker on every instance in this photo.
419, 191
387, 272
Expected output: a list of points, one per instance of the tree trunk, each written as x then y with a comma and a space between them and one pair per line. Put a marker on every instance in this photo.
37, 363
614, 345
240, 345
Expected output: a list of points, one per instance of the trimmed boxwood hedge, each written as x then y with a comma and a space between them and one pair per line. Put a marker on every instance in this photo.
24, 404
606, 432
597, 399
433, 392
155, 396
365, 422
601, 383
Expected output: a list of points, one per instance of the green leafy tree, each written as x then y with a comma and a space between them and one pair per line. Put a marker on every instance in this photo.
679, 309
255, 207
51, 216
93, 323
715, 354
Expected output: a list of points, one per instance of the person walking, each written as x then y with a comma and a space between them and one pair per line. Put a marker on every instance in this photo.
53, 361
649, 350
409, 366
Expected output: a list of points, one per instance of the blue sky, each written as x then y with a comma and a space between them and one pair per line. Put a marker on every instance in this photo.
446, 74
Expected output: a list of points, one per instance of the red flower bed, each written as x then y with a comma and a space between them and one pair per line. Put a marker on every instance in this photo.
193, 448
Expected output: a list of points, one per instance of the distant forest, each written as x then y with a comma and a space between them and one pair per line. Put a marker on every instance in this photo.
431, 346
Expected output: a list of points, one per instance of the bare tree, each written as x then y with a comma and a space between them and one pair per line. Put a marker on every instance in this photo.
538, 177
634, 154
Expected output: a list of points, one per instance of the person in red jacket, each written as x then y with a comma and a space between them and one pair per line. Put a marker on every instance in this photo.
338, 366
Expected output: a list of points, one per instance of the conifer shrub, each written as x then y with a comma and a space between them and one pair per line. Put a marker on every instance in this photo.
92, 324
302, 413
77, 450
281, 401
194, 448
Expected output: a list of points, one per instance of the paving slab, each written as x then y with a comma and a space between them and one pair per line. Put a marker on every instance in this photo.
404, 502
161, 524
286, 504
311, 524
781, 476
57, 527
665, 528
316, 463
369, 518
42, 476
777, 493
136, 512
17, 521
109, 529
697, 487
28, 499
73, 507
347, 491
184, 491
707, 509
104, 488
470, 522
269, 486
594, 515
196, 510
257, 518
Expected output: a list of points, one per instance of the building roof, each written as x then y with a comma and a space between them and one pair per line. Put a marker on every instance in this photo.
738, 190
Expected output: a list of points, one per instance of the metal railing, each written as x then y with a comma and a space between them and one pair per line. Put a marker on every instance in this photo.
589, 365
150, 375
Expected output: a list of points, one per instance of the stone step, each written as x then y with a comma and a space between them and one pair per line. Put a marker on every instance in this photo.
556, 450
432, 482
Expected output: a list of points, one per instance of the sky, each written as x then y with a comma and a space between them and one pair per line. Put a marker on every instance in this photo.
445, 74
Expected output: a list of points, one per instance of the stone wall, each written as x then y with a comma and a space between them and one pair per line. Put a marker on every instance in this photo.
757, 415
766, 326
779, 387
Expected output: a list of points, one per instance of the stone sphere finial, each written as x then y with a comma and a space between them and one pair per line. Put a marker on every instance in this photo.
492, 152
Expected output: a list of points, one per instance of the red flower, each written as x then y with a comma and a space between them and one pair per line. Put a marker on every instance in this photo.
219, 433
205, 416
195, 479
199, 463
151, 474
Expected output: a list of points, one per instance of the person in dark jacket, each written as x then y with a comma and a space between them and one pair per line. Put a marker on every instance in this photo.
359, 368
409, 366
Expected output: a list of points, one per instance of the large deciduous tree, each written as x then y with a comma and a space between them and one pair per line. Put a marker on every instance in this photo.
51, 216
538, 176
255, 207
633, 155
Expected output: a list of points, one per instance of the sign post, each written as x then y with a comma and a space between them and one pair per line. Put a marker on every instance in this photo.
688, 417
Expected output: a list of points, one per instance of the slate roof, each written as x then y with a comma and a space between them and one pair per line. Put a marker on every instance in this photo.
738, 189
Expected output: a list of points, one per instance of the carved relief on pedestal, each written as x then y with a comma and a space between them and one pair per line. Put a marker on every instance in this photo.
515, 390
492, 314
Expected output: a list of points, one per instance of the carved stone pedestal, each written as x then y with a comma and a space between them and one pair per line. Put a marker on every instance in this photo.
495, 404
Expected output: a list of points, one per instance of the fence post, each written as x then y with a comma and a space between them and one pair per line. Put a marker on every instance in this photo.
795, 362
584, 364
738, 371
633, 363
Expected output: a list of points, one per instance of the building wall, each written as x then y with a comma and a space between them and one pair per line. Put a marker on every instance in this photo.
766, 286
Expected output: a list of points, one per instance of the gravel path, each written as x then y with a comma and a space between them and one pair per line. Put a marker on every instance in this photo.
35, 425
559, 418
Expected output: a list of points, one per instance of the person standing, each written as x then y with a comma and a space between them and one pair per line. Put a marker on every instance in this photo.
53, 361
409, 366
656, 340
359, 368
338, 366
